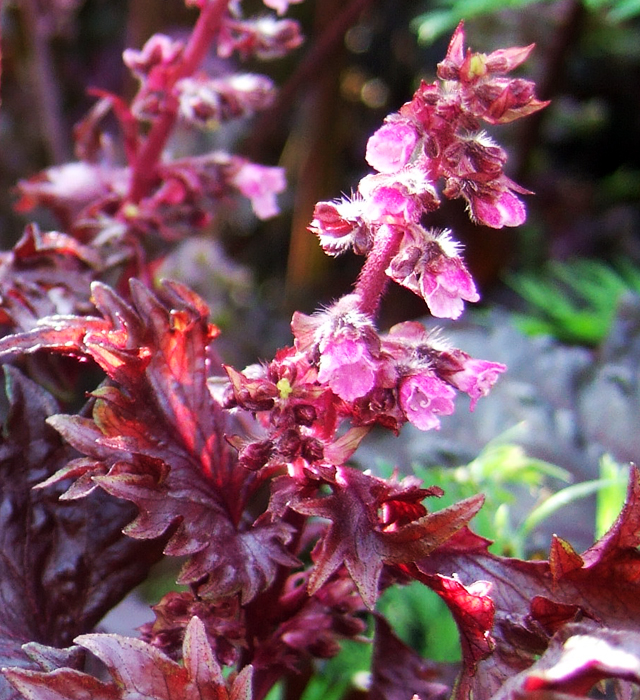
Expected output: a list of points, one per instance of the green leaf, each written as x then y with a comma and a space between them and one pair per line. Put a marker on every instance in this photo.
610, 499
560, 499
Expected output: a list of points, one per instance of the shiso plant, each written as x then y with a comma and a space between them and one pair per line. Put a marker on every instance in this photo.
246, 474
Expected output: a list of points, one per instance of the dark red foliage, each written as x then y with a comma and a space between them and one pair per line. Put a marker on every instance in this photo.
398, 672
58, 575
360, 538
245, 475
156, 436
140, 670
534, 600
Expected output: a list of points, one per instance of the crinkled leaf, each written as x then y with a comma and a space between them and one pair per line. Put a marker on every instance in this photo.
535, 599
138, 670
579, 656
156, 437
473, 611
359, 539
45, 273
63, 565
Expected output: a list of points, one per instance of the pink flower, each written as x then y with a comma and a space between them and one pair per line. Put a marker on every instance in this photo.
391, 146
476, 378
260, 184
397, 198
429, 265
423, 397
205, 101
444, 287
505, 209
393, 205
347, 367
160, 50
68, 188
280, 6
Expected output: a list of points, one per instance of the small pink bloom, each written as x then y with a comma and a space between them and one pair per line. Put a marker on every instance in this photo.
423, 397
503, 210
444, 287
429, 265
264, 37
391, 146
393, 205
477, 378
68, 188
160, 50
280, 6
347, 367
260, 184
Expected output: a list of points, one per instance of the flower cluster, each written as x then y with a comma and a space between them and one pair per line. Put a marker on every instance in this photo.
434, 138
101, 200
341, 366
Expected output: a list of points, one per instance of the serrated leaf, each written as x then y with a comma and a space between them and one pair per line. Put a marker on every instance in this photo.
63, 565
358, 539
138, 669
537, 598
156, 436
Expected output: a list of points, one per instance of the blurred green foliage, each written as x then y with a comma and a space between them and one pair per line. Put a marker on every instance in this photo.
446, 14
576, 301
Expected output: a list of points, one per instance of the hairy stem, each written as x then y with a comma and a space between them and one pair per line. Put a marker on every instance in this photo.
204, 33
373, 278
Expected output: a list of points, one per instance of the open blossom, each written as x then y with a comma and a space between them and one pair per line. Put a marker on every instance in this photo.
501, 209
68, 188
347, 367
261, 184
344, 344
429, 265
264, 38
391, 146
397, 198
205, 101
444, 284
424, 397
476, 378
159, 50
280, 6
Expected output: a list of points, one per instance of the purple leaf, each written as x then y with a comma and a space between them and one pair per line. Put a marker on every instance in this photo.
64, 565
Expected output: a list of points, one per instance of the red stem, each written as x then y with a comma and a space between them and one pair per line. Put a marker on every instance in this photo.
204, 32
373, 278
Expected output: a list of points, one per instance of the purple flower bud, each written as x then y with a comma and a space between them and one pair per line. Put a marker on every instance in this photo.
256, 454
